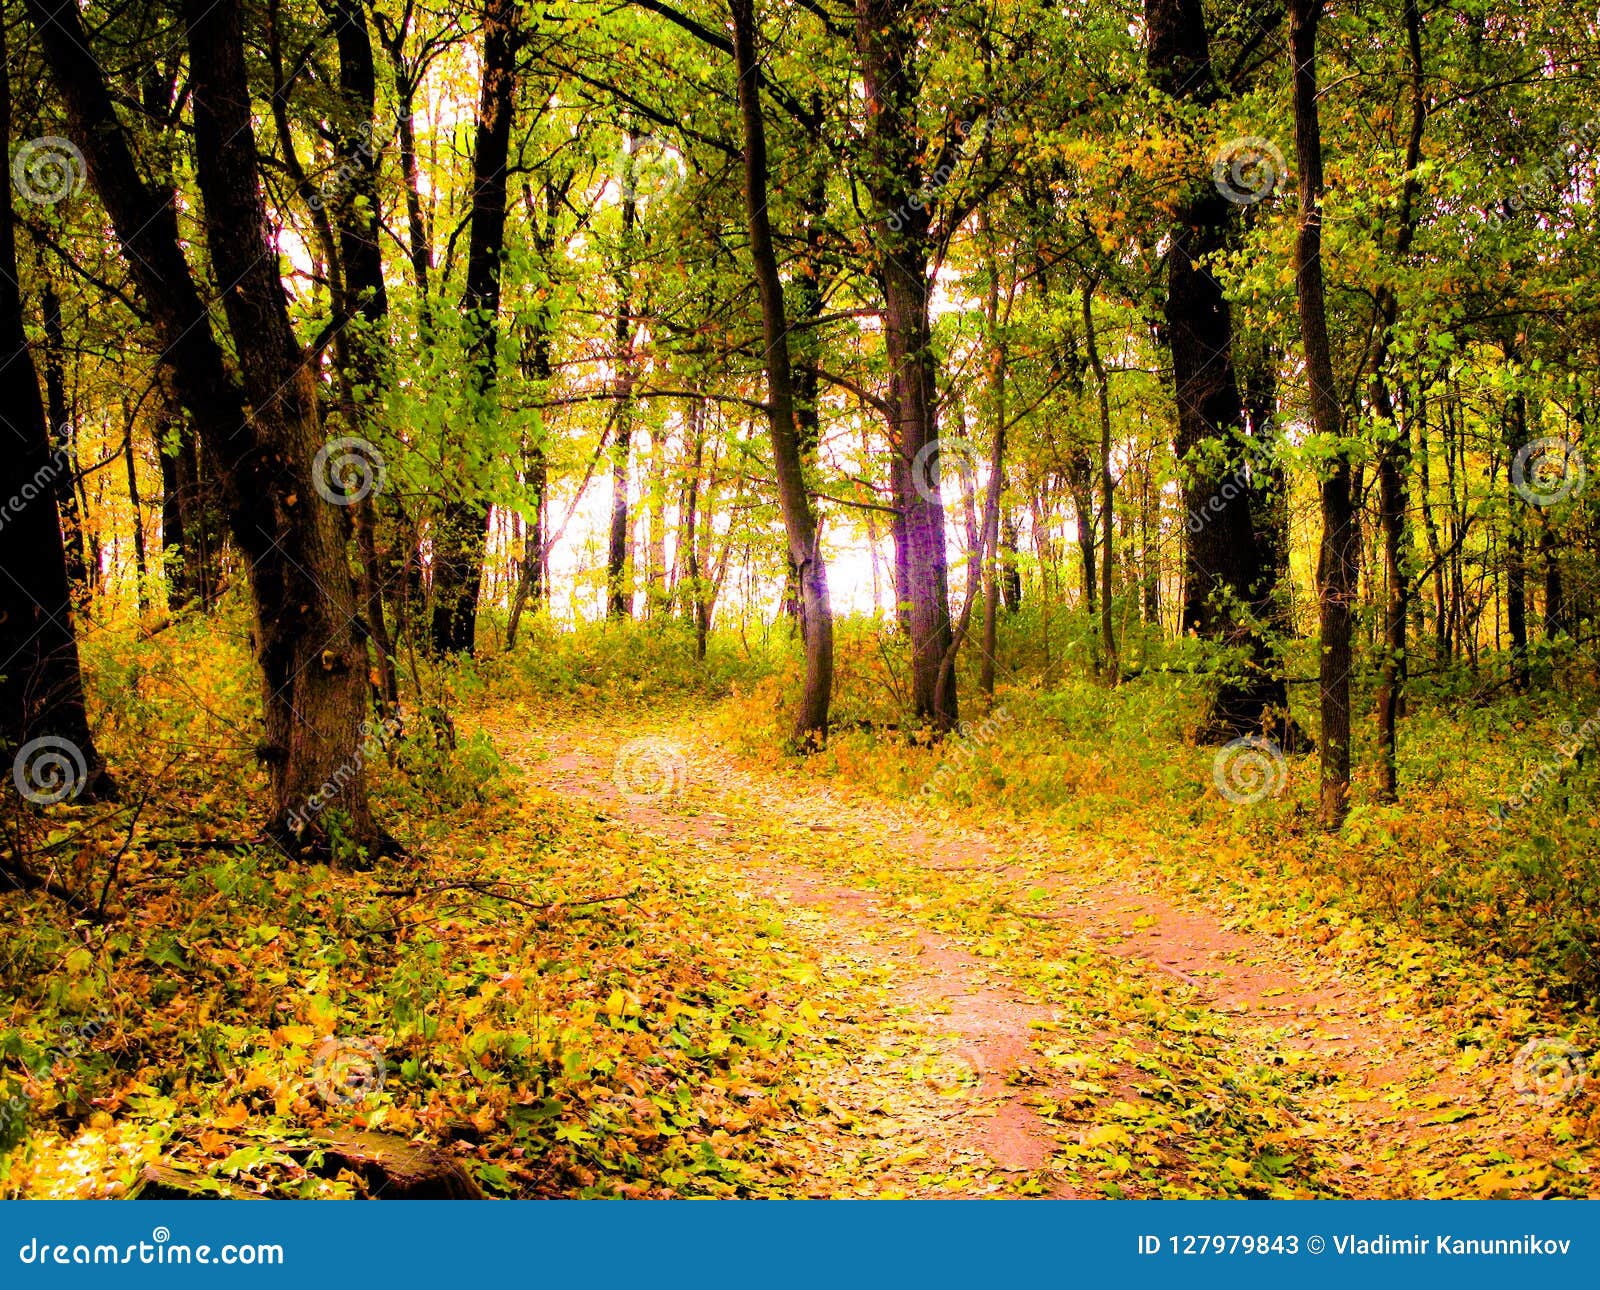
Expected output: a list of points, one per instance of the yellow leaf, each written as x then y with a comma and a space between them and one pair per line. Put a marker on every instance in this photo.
1107, 1135
231, 1117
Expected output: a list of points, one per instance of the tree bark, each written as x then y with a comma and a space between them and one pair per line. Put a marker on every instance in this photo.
619, 597
1394, 457
312, 670
59, 422
44, 727
887, 44
795, 503
1341, 536
141, 564
1516, 562
1108, 640
1227, 591
362, 314
461, 539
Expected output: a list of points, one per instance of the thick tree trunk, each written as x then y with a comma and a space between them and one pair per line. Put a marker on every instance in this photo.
1227, 592
462, 536
312, 669
886, 41
799, 520
44, 730
1341, 534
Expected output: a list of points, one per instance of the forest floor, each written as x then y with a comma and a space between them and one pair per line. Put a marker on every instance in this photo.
1004, 1012
635, 951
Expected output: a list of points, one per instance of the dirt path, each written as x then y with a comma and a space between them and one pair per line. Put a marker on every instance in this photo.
1009, 967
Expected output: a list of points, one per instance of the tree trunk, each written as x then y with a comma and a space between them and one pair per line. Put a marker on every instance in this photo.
698, 608
1226, 590
887, 43
312, 670
531, 585
1010, 562
59, 421
1394, 456
361, 315
1108, 640
992, 573
619, 597
799, 520
1341, 535
1516, 435
141, 560
461, 539
43, 725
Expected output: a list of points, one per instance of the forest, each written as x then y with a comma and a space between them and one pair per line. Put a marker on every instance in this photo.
799, 598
